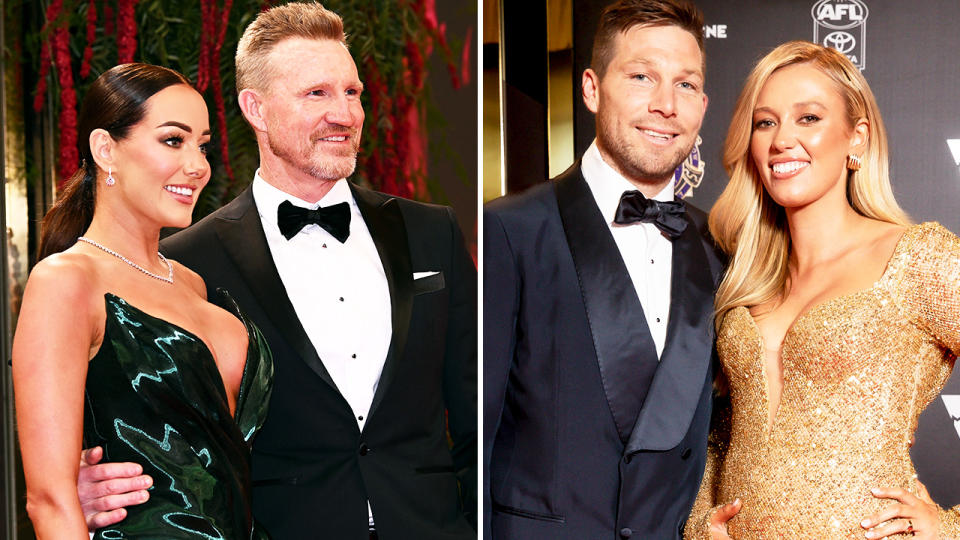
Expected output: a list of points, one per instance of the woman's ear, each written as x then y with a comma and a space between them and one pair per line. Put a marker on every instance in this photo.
861, 136
102, 148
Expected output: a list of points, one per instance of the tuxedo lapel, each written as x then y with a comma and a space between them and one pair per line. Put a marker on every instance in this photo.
385, 223
675, 390
625, 350
241, 234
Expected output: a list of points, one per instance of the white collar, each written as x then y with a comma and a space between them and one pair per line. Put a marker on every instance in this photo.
268, 197
608, 185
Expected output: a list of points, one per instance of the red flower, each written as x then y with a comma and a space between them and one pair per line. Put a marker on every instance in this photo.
126, 31
69, 158
53, 11
207, 24
465, 58
108, 20
218, 91
430, 13
91, 35
41, 92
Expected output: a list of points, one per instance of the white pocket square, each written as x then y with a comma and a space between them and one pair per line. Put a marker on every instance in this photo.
421, 275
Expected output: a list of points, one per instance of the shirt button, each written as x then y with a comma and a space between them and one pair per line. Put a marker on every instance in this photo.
360, 418
658, 319
354, 356
324, 246
626, 532
341, 299
651, 261
364, 449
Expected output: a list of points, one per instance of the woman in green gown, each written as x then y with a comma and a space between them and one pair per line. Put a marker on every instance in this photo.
117, 346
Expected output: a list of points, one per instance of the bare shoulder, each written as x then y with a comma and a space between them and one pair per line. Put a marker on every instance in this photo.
881, 239
191, 278
70, 276
63, 298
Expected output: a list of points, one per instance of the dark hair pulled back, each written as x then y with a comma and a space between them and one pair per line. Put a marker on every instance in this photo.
115, 102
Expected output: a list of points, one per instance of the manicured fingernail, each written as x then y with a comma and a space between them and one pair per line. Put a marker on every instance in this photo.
875, 491
144, 496
865, 523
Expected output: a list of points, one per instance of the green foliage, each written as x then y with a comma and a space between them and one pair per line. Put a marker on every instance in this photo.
168, 34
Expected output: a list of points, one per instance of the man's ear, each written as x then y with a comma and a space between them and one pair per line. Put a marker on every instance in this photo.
102, 148
251, 105
590, 89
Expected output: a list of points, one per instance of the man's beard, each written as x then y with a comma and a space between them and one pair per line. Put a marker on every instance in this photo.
320, 165
637, 164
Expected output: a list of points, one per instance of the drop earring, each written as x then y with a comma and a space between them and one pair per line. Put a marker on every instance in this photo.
853, 162
110, 179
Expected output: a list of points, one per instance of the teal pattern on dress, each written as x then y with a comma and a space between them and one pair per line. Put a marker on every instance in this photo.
154, 396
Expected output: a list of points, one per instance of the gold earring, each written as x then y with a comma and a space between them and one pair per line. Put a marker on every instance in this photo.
854, 162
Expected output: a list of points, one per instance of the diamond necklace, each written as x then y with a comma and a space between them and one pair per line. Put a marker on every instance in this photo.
168, 279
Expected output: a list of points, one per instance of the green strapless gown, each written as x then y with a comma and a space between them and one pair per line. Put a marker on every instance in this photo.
154, 396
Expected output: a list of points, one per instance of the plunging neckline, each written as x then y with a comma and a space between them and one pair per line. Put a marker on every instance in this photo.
772, 418
206, 348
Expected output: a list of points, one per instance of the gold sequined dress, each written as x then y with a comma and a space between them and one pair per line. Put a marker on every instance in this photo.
857, 372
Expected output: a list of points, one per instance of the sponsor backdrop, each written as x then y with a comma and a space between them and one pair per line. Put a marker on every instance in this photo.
909, 53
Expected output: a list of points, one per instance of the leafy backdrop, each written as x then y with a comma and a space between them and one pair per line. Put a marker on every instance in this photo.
390, 41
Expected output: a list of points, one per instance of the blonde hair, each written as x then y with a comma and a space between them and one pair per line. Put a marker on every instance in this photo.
746, 223
296, 19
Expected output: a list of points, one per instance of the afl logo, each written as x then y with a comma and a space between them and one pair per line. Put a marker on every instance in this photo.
689, 174
841, 25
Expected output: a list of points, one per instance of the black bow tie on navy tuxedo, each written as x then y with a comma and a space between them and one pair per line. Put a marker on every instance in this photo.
335, 219
668, 216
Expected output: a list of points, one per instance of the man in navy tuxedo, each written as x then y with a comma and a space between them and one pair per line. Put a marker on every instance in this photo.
368, 303
598, 306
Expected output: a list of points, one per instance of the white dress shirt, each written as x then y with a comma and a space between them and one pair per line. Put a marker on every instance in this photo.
339, 292
645, 251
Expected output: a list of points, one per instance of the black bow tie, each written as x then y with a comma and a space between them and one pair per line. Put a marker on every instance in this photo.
335, 219
666, 216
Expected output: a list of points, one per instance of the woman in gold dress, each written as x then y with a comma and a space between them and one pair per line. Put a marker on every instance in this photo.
838, 321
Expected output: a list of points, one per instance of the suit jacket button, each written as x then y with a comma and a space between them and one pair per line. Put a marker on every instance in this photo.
364, 449
626, 532
627, 458
685, 453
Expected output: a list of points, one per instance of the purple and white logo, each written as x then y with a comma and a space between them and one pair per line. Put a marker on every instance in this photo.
842, 25
690, 173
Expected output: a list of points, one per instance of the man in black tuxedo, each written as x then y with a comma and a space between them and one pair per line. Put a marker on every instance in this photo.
598, 307
368, 303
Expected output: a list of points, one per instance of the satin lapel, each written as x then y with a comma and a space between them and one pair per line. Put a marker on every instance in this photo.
385, 222
625, 350
687, 353
241, 234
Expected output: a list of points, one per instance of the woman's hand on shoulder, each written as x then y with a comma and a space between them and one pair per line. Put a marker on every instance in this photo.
916, 515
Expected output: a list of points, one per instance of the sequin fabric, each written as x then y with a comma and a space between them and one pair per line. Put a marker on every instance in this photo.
857, 372
154, 396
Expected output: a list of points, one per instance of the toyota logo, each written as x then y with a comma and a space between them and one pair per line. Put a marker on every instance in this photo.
840, 41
